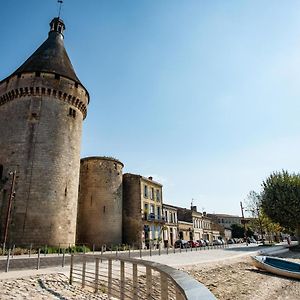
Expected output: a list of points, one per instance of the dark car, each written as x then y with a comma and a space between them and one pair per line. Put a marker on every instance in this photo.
181, 244
208, 243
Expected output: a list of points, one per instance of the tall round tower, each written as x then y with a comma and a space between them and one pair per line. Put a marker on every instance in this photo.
100, 201
42, 106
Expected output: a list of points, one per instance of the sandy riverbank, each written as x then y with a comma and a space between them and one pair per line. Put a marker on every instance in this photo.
237, 279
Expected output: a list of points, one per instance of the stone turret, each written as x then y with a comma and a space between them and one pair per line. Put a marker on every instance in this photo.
42, 106
100, 202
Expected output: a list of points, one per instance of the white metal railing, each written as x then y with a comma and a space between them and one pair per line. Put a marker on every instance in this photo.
129, 278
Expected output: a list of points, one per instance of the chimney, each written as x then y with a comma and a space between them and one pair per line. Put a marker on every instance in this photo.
150, 177
204, 213
194, 208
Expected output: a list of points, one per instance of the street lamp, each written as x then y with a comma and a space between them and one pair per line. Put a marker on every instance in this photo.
244, 221
11, 196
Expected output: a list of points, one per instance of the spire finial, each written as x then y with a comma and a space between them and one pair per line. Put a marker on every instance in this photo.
60, 2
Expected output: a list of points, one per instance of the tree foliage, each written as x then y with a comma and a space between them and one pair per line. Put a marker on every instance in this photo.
280, 199
260, 222
237, 231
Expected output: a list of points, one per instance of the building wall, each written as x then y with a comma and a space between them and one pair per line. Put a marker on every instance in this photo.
185, 230
152, 211
100, 202
41, 141
225, 220
170, 229
132, 211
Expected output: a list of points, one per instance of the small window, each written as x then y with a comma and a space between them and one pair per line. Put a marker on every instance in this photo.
145, 191
34, 116
57, 76
1, 171
76, 84
152, 193
72, 112
157, 195
37, 74
19, 75
151, 209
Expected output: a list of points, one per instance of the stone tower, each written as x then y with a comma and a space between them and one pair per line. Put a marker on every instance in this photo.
100, 202
42, 106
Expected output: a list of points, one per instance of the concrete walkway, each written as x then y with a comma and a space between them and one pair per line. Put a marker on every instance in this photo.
205, 257
174, 260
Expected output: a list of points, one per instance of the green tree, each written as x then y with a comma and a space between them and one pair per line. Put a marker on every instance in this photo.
280, 199
237, 231
253, 205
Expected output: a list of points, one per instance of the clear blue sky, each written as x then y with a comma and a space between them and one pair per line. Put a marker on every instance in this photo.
202, 95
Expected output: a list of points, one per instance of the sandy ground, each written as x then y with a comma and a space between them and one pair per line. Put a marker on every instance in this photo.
238, 279
44, 287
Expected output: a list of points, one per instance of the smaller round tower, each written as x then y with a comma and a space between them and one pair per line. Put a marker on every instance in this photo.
100, 202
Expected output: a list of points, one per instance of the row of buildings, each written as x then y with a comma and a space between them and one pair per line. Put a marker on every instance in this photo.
48, 195
115, 208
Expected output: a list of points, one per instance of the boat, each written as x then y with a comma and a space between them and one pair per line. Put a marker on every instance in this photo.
277, 266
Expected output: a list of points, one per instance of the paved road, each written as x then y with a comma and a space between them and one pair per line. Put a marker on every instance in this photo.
181, 257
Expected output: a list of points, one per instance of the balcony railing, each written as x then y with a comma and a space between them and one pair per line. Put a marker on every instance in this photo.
153, 217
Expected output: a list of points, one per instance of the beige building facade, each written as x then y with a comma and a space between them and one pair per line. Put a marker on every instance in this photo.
210, 230
203, 227
171, 225
143, 218
225, 220
185, 230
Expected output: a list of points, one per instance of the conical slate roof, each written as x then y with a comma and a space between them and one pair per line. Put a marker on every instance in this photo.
51, 56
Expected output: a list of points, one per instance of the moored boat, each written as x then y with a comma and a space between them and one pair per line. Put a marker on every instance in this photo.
277, 266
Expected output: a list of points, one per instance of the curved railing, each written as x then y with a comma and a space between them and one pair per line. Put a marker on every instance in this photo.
130, 278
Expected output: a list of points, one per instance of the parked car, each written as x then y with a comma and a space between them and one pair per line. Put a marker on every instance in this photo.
251, 240
202, 243
217, 242
231, 241
181, 244
207, 242
194, 244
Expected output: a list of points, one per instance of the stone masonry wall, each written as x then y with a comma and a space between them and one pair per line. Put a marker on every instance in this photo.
41, 141
132, 211
100, 202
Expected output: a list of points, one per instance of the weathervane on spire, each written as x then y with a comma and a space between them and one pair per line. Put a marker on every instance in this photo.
60, 4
